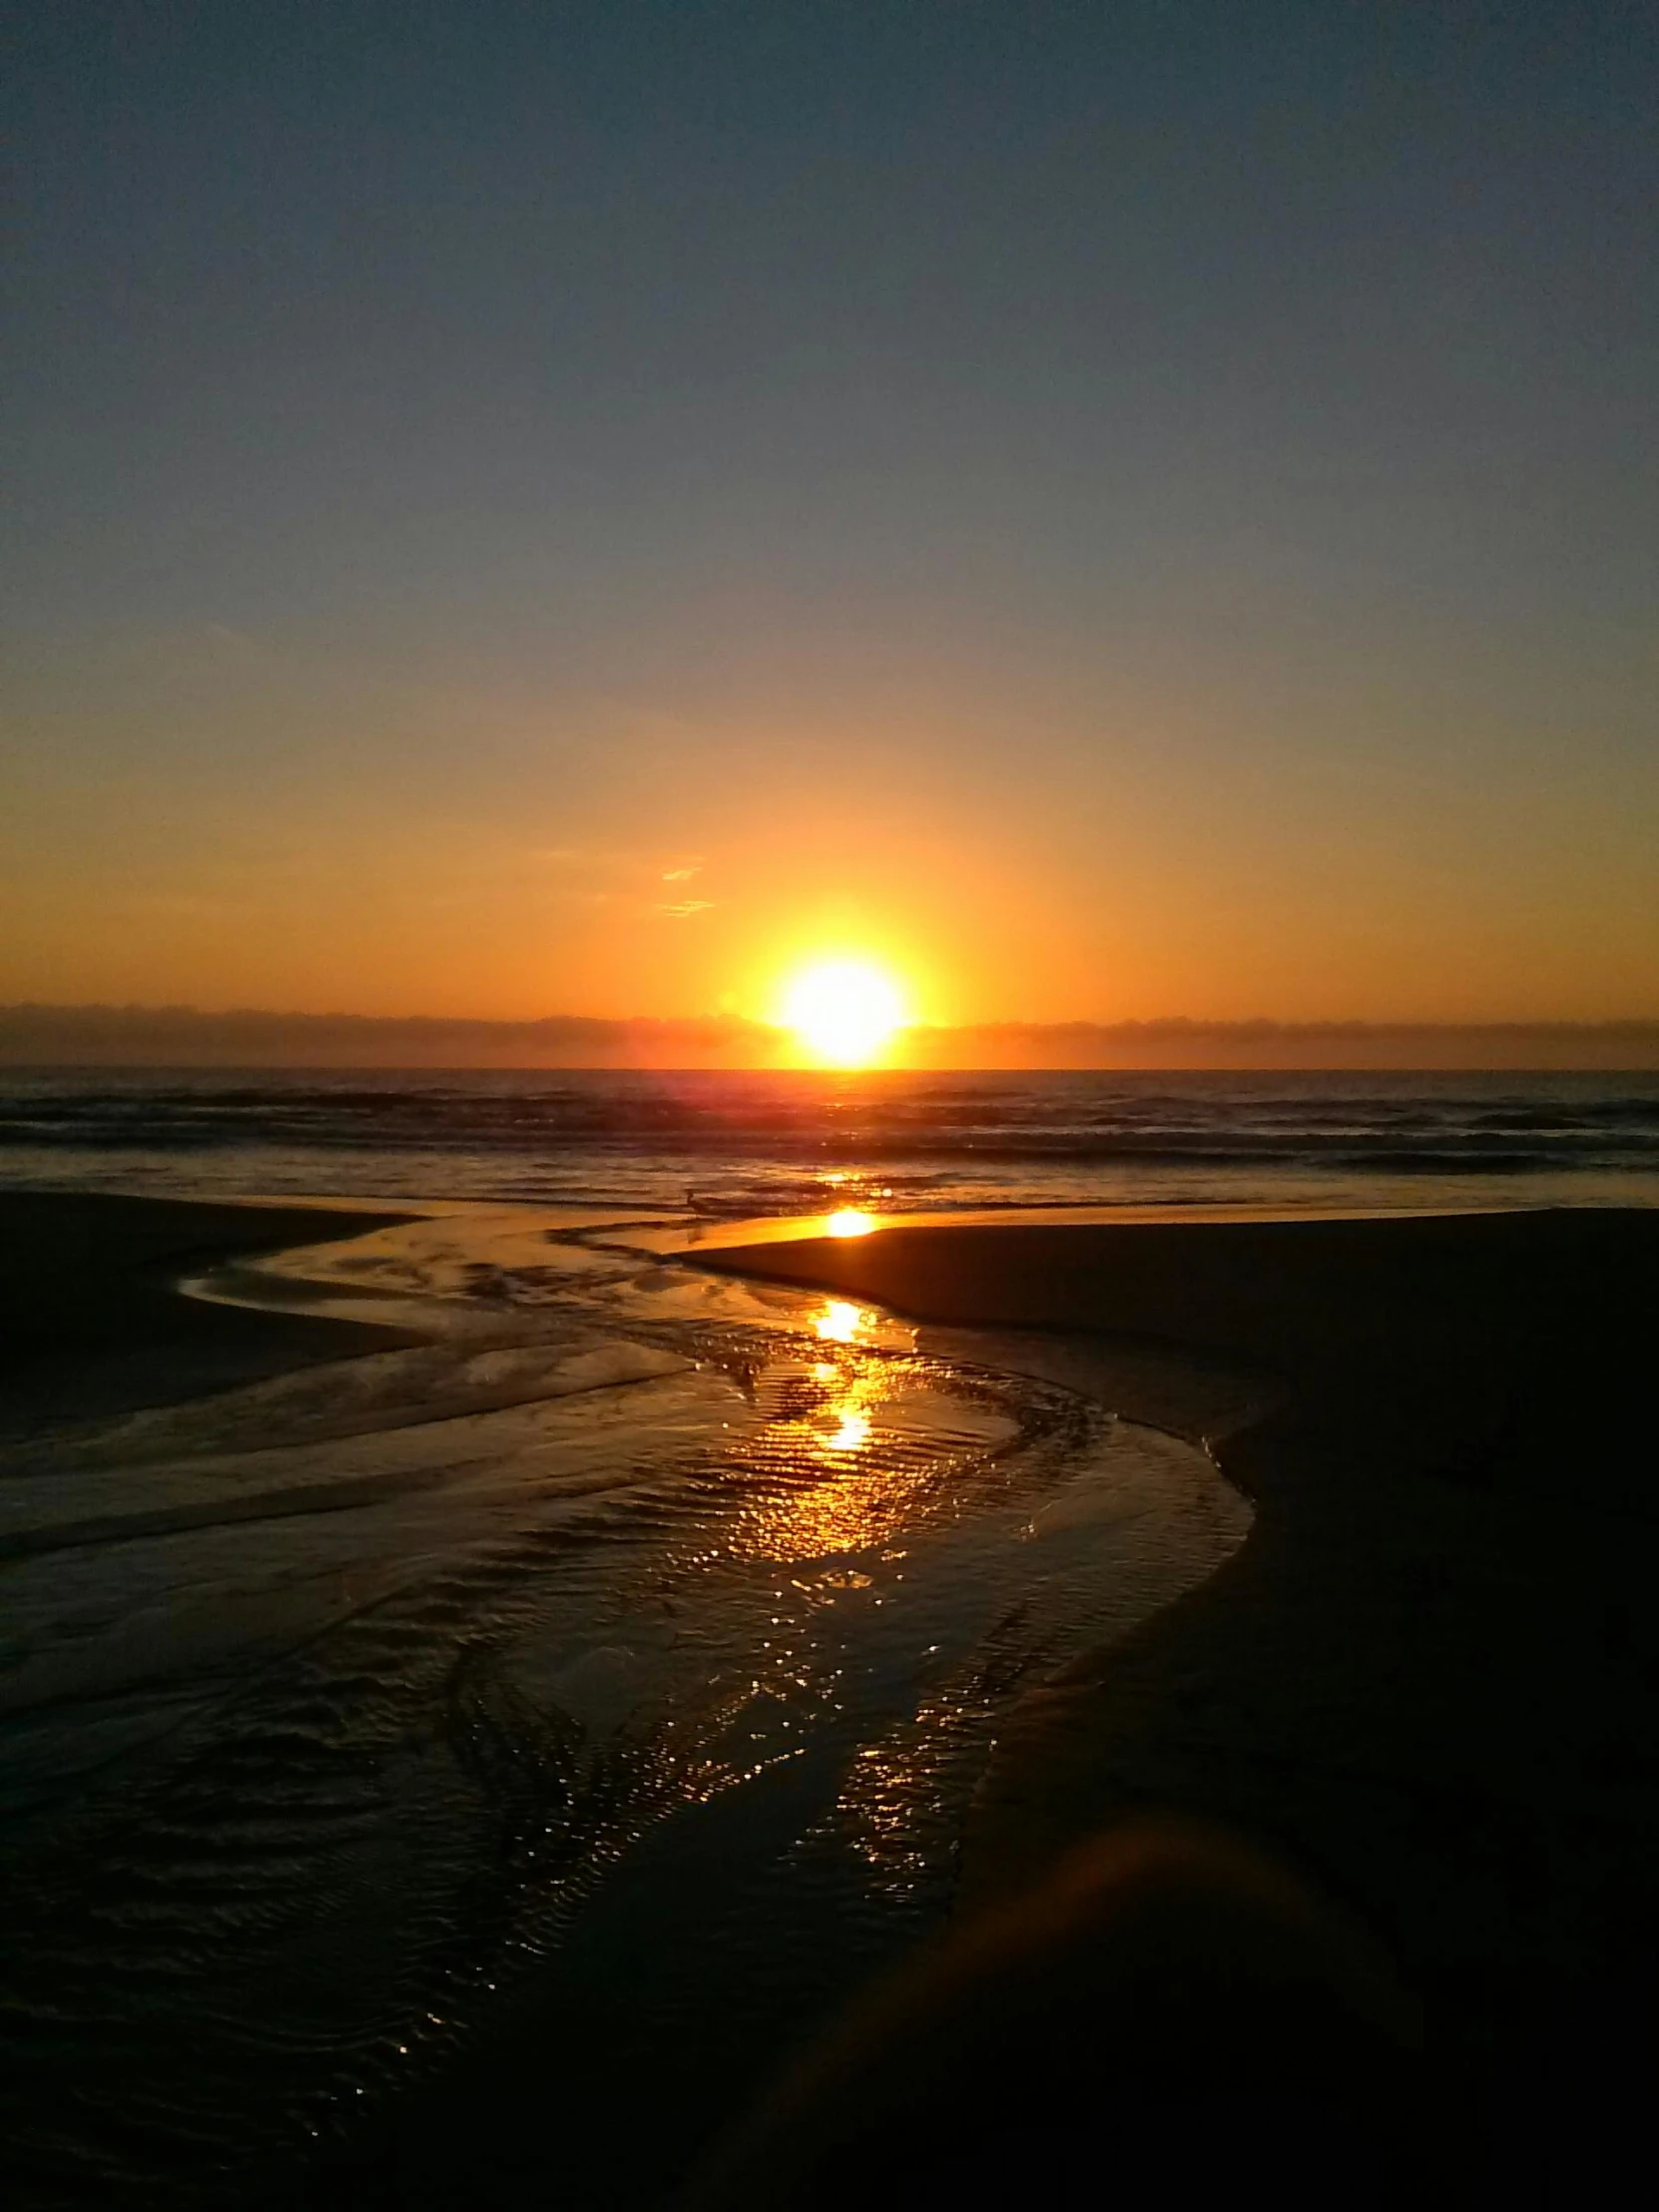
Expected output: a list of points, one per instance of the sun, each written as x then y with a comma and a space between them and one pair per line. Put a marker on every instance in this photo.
843, 1011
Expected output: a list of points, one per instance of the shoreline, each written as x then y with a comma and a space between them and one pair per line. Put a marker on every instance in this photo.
493, 2081
1425, 1679
94, 1324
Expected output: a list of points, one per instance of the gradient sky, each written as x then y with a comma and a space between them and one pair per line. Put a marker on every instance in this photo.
1121, 510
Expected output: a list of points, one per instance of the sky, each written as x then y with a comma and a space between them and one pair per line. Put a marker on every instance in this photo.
1114, 512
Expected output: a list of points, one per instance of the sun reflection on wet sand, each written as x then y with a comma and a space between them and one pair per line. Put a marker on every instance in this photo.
850, 1221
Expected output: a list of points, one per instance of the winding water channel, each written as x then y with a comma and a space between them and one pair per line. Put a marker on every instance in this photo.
611, 1668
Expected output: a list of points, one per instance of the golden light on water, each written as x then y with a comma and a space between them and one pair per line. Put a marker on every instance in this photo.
845, 1013
851, 1431
838, 1321
827, 1417
850, 1447
850, 1221
853, 1436
843, 1422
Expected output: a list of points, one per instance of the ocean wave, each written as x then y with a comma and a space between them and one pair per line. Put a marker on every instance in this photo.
790, 1143
921, 1118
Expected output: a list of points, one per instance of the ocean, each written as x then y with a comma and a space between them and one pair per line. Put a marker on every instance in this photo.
731, 1145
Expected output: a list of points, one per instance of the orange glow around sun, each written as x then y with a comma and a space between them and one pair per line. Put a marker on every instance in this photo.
845, 1013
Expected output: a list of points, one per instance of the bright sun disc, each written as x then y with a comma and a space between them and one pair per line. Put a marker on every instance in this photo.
843, 1011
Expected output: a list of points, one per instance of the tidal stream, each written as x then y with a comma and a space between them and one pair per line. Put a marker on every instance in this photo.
604, 1677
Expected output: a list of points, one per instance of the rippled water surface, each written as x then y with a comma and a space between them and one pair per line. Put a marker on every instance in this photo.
751, 1141
606, 1674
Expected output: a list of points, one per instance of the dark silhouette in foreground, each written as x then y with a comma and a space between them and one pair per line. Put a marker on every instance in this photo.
1426, 1680
1168, 1995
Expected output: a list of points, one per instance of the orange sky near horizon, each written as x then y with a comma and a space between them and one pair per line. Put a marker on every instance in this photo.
1109, 513
1125, 876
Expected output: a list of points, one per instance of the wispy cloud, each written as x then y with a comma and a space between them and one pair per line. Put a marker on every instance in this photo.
568, 856
601, 876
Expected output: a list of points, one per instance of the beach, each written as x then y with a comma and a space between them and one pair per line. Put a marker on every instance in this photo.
829, 1107
93, 1323
546, 1664
1427, 1678
1422, 1677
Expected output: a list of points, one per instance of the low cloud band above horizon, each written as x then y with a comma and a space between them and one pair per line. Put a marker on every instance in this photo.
182, 1036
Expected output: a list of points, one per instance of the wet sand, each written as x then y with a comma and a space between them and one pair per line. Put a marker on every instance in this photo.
587, 1692
1426, 1681
91, 1323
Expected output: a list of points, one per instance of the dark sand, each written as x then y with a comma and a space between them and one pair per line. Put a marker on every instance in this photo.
91, 1323
1427, 1680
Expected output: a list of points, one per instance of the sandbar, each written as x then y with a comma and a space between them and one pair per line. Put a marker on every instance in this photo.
1426, 1680
92, 1324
